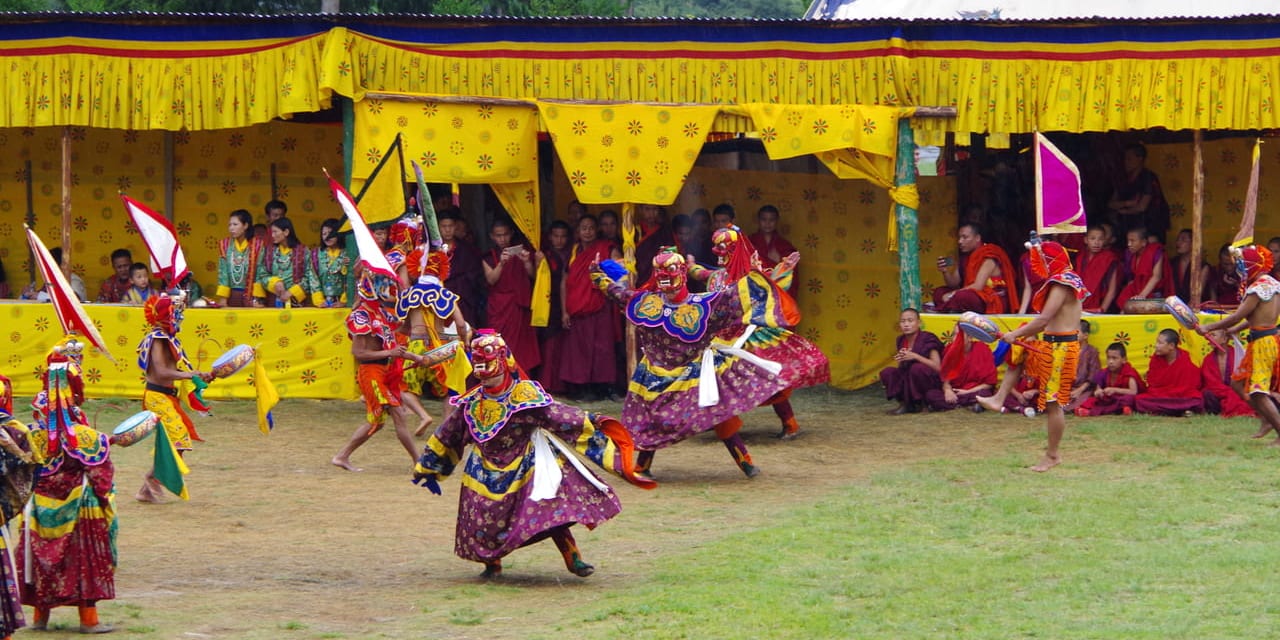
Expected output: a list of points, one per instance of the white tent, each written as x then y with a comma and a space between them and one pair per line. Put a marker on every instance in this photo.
1034, 9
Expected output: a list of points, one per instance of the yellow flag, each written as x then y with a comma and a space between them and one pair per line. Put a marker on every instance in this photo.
267, 396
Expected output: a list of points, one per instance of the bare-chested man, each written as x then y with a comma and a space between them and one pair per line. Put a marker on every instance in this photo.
161, 358
1051, 360
1259, 304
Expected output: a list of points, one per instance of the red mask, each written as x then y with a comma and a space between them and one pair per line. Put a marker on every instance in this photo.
491, 360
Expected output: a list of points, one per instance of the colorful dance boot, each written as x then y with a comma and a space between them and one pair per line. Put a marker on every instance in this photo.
644, 461
569, 551
89, 621
492, 570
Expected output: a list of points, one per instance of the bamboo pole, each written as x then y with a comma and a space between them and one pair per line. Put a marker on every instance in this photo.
31, 219
66, 199
1197, 216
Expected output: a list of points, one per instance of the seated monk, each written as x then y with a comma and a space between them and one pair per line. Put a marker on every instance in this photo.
1148, 270
1114, 388
1173, 381
919, 357
968, 372
1220, 398
982, 283
1099, 267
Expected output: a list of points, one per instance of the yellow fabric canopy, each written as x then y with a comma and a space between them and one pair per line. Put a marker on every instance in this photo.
635, 153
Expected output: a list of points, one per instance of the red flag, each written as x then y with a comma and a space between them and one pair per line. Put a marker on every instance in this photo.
161, 239
370, 253
65, 303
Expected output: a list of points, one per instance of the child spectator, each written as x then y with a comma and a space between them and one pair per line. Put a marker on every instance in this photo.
918, 358
1147, 268
140, 288
1180, 267
1113, 388
1173, 381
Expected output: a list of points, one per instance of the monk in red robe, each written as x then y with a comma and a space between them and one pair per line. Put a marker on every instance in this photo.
769, 244
1148, 270
1215, 374
587, 358
918, 358
968, 372
508, 269
1173, 381
1099, 267
1115, 387
983, 282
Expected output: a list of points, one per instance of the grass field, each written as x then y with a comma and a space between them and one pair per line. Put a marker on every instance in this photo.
868, 526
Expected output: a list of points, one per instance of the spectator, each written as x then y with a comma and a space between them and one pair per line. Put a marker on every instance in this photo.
587, 361
1226, 282
41, 294
1220, 396
332, 264
1138, 201
771, 246
238, 256
975, 377
114, 288
286, 270
1099, 267
1273, 245
1180, 268
610, 229
1173, 381
1113, 388
466, 275
1087, 365
275, 209
919, 359
723, 215
551, 338
981, 283
5, 292
655, 234
140, 289
508, 270
700, 243
1147, 269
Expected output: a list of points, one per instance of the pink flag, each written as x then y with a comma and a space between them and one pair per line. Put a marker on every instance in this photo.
161, 239
370, 253
65, 303
1059, 205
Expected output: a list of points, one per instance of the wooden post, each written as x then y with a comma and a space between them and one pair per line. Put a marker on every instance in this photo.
168, 176
629, 259
66, 199
1197, 216
31, 220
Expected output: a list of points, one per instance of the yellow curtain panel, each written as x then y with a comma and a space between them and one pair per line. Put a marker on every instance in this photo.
306, 351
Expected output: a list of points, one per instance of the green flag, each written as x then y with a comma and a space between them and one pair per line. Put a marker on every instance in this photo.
169, 467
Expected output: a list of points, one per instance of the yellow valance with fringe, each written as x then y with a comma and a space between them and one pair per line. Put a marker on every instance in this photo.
1053, 78
169, 85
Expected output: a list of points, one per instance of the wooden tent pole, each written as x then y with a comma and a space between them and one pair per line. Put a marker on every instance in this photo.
1197, 216
629, 259
66, 199
909, 294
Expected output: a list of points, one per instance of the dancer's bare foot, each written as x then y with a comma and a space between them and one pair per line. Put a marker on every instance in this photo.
990, 404
1263, 430
345, 464
1046, 463
422, 426
145, 495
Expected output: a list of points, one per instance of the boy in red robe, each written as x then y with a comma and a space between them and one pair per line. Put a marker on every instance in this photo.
508, 270
983, 283
1099, 267
1173, 381
1115, 387
1257, 374
771, 246
1215, 374
587, 360
1148, 270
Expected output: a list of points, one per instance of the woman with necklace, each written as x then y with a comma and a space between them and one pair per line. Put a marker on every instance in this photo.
286, 271
331, 264
238, 262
